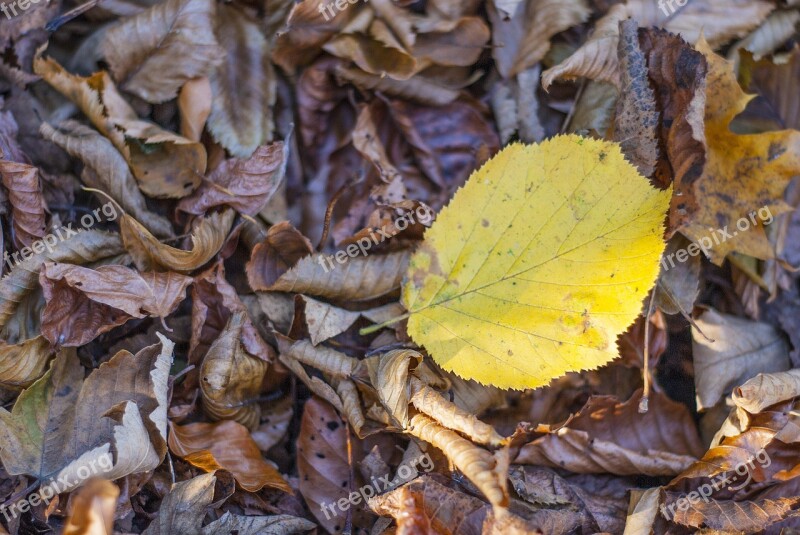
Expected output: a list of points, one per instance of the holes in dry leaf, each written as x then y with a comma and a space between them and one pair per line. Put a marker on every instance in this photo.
333, 426
320, 455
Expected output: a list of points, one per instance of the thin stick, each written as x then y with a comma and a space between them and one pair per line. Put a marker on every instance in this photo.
646, 372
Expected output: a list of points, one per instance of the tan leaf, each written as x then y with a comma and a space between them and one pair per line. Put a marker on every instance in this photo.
194, 103
325, 359
325, 321
480, 466
732, 516
164, 164
88, 246
281, 249
246, 185
642, 512
417, 88
231, 378
277, 418
607, 436
23, 363
228, 446
366, 140
361, 278
351, 404
105, 169
63, 425
432, 403
767, 389
522, 38
373, 56
184, 509
92, 508
390, 380
774, 31
141, 50
150, 254
243, 85
27, 204
740, 349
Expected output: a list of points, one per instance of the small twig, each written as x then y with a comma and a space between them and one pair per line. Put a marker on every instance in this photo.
646, 372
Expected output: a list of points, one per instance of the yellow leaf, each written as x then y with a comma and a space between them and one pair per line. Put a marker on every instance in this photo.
537, 264
744, 176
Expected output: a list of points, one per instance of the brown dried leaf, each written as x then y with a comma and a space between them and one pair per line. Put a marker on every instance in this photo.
360, 279
243, 85
732, 516
417, 88
607, 436
637, 118
91, 510
150, 254
245, 185
480, 466
105, 169
767, 389
228, 446
142, 49
231, 377
87, 246
740, 349
63, 423
678, 284
27, 204
194, 103
325, 321
324, 359
522, 38
351, 404
23, 363
390, 380
322, 462
281, 249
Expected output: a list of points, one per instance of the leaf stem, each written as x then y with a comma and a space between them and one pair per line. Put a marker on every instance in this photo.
371, 329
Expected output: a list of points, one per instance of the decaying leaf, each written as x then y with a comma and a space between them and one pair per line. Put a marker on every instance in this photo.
112, 424
502, 275
21, 364
92, 509
25, 195
228, 446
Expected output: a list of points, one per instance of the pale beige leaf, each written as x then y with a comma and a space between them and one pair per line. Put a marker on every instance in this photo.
105, 169
358, 278
767, 389
325, 321
642, 511
778, 27
432, 403
740, 349
277, 417
477, 464
390, 379
149, 254
142, 49
317, 386
230, 378
351, 404
243, 85
323, 358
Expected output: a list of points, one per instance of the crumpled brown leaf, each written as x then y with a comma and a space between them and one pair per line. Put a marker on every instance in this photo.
141, 50
91, 510
21, 364
607, 436
121, 406
27, 204
230, 377
226, 445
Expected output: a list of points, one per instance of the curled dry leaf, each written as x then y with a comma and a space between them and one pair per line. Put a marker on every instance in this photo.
351, 404
87, 246
184, 509
194, 103
324, 359
243, 85
150, 254
390, 379
228, 446
480, 466
607, 436
766, 389
91, 510
281, 249
732, 516
27, 204
21, 364
432, 403
245, 185
105, 169
63, 425
141, 50
325, 321
359, 278
165, 164
231, 377
775, 31
417, 88
740, 349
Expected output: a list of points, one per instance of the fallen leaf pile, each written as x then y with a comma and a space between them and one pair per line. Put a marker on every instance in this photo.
399, 266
